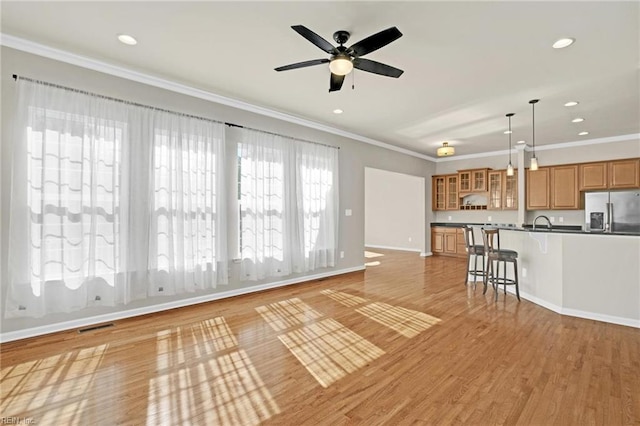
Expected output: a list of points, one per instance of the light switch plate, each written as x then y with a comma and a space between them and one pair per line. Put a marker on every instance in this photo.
347, 212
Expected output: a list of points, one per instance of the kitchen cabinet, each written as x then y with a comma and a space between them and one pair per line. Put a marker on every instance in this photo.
438, 193
495, 190
464, 181
479, 180
445, 192
564, 187
451, 195
448, 241
503, 190
593, 176
624, 174
510, 191
537, 187
472, 180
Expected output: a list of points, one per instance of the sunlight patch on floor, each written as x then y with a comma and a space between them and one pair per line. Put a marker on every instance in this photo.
287, 313
60, 382
374, 263
407, 322
215, 383
329, 350
345, 299
372, 254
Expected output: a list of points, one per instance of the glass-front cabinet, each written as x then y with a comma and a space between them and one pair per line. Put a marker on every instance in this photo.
464, 181
452, 192
495, 190
510, 191
439, 199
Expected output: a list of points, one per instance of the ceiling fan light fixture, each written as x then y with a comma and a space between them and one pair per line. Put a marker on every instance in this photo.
445, 150
341, 65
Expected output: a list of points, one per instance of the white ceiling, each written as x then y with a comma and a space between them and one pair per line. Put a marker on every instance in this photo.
466, 64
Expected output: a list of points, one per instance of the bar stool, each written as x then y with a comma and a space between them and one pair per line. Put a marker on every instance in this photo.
475, 251
491, 239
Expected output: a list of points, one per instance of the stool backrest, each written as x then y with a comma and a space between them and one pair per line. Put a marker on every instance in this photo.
468, 236
491, 239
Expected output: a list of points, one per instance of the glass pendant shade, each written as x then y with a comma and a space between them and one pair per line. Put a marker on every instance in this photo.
510, 169
534, 163
341, 65
446, 150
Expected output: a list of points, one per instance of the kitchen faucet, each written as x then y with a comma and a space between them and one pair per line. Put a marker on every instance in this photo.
544, 217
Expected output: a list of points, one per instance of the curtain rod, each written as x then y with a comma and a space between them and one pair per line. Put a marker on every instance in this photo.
16, 77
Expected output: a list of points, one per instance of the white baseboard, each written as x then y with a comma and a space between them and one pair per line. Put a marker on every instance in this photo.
427, 254
393, 248
98, 319
629, 322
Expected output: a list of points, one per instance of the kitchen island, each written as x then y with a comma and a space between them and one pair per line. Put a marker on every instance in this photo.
576, 273
595, 276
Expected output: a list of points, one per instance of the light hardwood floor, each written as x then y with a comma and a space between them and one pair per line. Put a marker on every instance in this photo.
404, 342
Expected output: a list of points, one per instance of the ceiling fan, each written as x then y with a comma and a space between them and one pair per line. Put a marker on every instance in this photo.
344, 59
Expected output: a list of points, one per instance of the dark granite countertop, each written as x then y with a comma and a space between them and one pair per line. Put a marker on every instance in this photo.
559, 229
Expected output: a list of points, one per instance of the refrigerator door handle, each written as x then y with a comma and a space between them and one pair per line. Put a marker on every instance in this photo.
609, 217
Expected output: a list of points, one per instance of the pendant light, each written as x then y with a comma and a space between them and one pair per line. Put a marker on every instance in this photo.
510, 166
534, 159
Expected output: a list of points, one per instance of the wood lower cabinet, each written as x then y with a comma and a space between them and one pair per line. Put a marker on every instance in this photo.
538, 189
448, 241
624, 174
564, 188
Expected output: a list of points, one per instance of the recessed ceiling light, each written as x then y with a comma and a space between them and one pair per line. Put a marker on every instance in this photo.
571, 103
337, 111
577, 120
521, 142
507, 132
583, 133
127, 39
563, 42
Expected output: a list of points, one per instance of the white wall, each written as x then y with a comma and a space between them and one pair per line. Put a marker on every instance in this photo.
394, 215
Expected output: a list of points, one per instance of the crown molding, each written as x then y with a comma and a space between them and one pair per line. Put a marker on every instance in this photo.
528, 148
122, 72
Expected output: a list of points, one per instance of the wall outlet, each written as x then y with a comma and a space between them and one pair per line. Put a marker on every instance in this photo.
341, 255
524, 272
347, 212
489, 218
552, 219
410, 239
561, 219
449, 217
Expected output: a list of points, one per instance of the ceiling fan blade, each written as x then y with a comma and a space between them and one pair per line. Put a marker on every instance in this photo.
377, 67
302, 64
335, 83
375, 41
314, 38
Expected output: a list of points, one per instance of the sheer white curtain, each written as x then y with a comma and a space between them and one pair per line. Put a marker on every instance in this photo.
85, 188
288, 195
188, 233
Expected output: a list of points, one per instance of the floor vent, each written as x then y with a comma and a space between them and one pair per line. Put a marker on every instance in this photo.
95, 327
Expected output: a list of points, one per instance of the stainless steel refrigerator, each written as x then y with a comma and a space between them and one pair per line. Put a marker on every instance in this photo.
613, 211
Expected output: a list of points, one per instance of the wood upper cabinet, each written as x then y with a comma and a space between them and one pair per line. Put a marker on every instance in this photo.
564, 187
438, 193
472, 180
624, 174
479, 180
464, 181
538, 189
510, 191
495, 190
593, 176
451, 195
